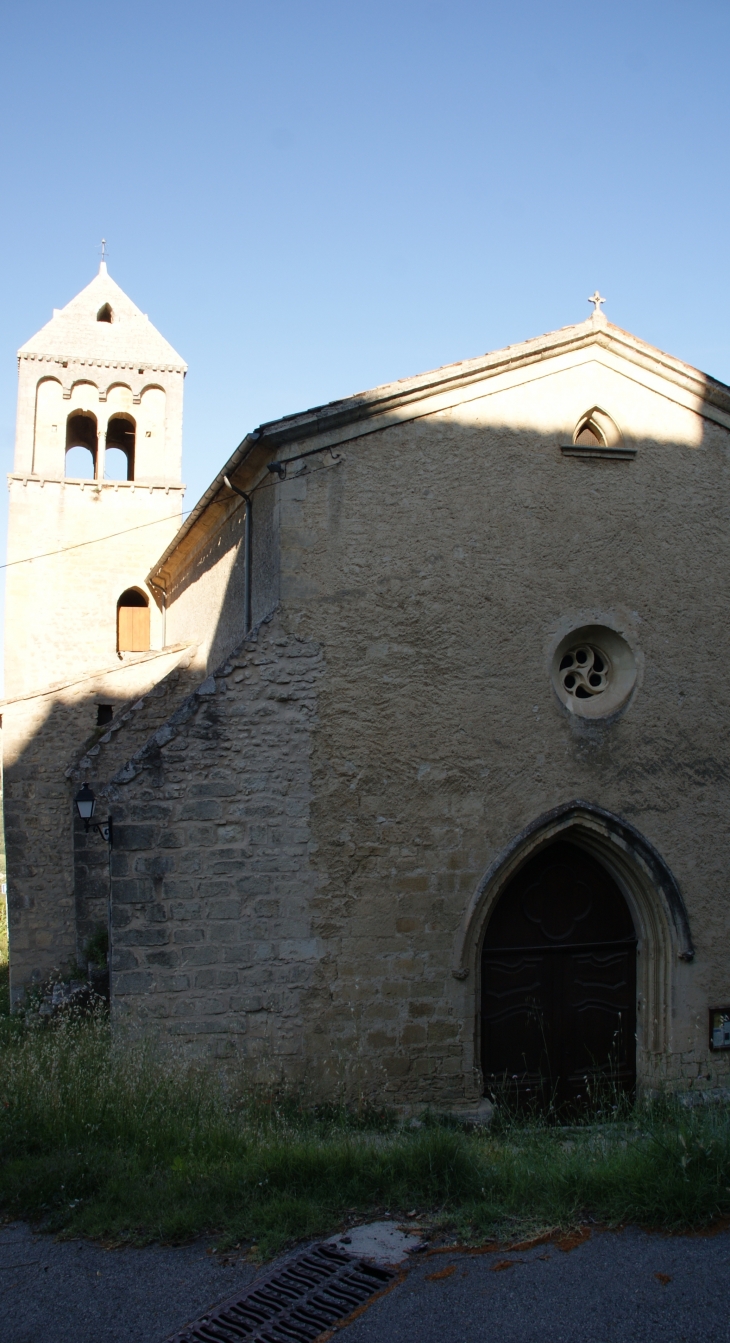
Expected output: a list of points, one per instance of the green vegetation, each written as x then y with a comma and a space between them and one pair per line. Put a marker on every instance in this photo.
4, 968
97, 946
113, 1140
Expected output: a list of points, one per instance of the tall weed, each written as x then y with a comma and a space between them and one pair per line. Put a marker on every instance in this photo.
121, 1140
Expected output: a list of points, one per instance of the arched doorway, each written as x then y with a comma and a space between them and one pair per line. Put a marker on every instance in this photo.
559, 982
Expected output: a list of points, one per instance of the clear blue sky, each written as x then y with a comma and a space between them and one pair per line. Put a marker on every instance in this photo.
312, 198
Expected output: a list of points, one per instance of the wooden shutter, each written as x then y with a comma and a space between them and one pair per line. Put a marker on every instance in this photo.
133, 627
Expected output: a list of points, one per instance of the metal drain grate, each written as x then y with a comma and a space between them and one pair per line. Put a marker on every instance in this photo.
295, 1304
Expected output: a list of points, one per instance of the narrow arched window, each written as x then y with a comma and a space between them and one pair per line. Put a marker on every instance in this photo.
133, 622
105, 314
121, 434
81, 445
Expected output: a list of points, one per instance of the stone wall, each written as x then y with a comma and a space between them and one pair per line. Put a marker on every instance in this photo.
438, 566
107, 751
430, 570
42, 738
212, 886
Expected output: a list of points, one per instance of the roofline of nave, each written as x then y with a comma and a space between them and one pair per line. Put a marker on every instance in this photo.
370, 411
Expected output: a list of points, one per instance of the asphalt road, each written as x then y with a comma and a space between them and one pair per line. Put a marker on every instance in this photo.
629, 1287
75, 1292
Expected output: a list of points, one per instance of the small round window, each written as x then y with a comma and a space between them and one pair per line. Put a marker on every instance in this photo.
593, 671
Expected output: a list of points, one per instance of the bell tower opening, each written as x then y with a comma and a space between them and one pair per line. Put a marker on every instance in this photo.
121, 435
559, 985
81, 446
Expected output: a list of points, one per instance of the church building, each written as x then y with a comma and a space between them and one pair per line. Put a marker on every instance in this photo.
412, 735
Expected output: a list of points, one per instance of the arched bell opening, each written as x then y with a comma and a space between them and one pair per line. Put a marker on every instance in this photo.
121, 434
81, 446
652, 897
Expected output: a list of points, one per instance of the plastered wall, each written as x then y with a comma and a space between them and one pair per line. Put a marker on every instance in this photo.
206, 596
428, 574
90, 544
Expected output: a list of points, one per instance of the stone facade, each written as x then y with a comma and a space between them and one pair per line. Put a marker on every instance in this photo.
309, 844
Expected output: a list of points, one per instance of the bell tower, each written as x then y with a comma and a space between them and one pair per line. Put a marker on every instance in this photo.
95, 493
95, 498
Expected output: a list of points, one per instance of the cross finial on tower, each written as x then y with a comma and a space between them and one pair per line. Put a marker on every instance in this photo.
102, 264
596, 300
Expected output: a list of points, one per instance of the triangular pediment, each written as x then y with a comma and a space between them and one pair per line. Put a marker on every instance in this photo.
102, 322
445, 389
452, 383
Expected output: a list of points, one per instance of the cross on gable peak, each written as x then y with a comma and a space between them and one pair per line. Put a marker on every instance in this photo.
596, 300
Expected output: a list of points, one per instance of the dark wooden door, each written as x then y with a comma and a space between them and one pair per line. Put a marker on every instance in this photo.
559, 983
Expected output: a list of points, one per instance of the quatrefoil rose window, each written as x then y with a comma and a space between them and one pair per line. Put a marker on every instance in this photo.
593, 671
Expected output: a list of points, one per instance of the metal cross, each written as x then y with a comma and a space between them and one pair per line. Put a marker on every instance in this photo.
596, 300
103, 249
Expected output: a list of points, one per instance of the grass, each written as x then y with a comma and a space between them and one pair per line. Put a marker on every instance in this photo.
116, 1142
4, 967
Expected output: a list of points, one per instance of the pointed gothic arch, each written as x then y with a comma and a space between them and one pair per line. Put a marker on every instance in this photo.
651, 892
596, 428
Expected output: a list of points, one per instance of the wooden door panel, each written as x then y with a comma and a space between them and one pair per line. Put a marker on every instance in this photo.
517, 993
133, 629
560, 1011
599, 1014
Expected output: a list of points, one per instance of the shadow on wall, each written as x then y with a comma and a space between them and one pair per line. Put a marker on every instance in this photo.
207, 599
58, 889
426, 581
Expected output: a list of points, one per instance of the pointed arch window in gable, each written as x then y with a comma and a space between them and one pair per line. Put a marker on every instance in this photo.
81, 446
133, 622
598, 436
105, 314
121, 434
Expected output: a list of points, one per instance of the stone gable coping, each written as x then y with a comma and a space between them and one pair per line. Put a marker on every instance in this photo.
395, 403
125, 716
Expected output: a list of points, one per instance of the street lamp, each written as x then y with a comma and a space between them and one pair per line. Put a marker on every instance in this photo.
86, 805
